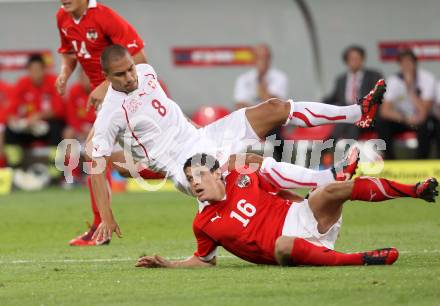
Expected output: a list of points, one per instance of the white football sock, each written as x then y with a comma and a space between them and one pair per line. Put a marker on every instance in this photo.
288, 176
308, 114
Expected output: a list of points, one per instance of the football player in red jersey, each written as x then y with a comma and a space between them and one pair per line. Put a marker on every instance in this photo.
250, 218
5, 97
86, 28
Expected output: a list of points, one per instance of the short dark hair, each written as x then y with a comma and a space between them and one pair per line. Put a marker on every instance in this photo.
202, 159
35, 58
111, 53
355, 48
406, 53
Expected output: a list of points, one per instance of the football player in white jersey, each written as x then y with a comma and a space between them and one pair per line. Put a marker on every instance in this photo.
138, 115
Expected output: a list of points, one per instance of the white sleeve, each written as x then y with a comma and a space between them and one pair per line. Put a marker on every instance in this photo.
241, 91
437, 93
427, 86
145, 69
106, 130
394, 89
278, 87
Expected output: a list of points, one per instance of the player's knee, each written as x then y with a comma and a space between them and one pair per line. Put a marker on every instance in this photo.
283, 250
279, 108
332, 191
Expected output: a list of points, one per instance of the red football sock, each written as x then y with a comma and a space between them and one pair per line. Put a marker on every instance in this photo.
96, 215
305, 253
373, 189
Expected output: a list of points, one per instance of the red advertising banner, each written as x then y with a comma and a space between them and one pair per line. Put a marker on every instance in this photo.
424, 49
213, 56
17, 59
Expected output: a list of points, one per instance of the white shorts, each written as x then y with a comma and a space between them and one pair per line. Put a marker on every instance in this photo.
227, 136
300, 222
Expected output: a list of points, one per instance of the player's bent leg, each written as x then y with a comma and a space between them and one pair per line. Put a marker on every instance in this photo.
295, 251
267, 115
326, 203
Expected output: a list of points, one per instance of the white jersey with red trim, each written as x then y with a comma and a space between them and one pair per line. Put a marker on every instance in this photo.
145, 123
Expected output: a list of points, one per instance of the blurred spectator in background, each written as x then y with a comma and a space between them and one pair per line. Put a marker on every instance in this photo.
436, 119
36, 109
261, 83
5, 95
407, 105
79, 120
351, 85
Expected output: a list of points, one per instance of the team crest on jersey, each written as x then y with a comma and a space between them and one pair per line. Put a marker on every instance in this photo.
133, 105
243, 181
92, 34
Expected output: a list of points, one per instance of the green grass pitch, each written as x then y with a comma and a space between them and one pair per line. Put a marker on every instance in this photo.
37, 267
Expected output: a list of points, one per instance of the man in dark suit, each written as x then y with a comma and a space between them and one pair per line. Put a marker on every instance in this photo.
356, 82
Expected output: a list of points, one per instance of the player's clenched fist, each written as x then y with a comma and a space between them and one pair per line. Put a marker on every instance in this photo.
105, 231
60, 83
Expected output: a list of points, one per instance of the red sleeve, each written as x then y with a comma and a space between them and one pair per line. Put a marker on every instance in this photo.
14, 102
66, 46
206, 247
5, 103
120, 31
265, 184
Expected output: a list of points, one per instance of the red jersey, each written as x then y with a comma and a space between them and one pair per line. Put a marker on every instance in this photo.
247, 223
5, 98
28, 99
76, 114
87, 37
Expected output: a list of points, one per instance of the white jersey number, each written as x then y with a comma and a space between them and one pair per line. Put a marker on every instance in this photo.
246, 209
82, 50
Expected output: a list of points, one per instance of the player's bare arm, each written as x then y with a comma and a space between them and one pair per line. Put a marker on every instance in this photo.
108, 225
68, 64
157, 261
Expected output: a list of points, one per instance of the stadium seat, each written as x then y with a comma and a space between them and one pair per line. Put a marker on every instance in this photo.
208, 114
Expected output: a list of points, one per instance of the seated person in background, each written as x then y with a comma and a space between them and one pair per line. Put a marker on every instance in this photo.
79, 120
351, 85
5, 96
407, 105
436, 119
260, 84
36, 109
261, 224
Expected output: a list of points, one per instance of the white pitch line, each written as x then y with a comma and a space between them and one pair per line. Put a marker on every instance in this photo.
127, 259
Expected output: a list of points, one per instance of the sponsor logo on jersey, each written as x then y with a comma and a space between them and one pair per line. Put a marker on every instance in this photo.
243, 181
92, 34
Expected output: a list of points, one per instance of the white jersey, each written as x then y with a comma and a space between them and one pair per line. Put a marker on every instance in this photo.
154, 130
144, 122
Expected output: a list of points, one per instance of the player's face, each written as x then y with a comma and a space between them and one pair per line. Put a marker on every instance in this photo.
72, 6
408, 65
262, 58
205, 185
122, 74
36, 72
355, 61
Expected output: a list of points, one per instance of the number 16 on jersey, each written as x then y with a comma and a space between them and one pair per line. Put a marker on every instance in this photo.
247, 209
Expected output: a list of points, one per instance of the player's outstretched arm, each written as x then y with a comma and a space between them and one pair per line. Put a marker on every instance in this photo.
68, 64
108, 225
157, 261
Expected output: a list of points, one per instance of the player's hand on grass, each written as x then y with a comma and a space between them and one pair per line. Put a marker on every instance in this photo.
155, 261
61, 83
105, 231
